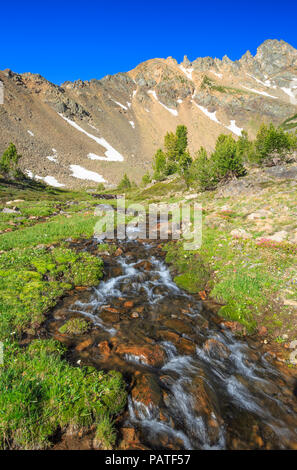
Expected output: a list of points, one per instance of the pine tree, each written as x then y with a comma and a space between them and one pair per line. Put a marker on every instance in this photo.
124, 183
159, 165
9, 162
182, 139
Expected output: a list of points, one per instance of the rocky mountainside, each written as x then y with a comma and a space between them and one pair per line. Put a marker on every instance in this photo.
82, 133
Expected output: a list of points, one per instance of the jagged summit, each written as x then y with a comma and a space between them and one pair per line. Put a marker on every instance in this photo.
84, 132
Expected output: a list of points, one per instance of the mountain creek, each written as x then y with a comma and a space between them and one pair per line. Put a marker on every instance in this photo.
191, 383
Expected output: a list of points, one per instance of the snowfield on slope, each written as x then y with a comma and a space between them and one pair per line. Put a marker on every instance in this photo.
210, 115
291, 91
83, 174
232, 126
172, 111
187, 72
120, 104
51, 180
259, 92
112, 155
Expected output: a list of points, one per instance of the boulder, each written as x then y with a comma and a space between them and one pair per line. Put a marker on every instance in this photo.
153, 355
147, 392
216, 349
8, 210
260, 214
240, 233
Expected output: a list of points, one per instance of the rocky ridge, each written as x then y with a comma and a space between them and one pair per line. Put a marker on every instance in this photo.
85, 132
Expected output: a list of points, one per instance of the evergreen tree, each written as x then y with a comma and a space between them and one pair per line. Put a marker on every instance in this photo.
9, 162
124, 183
146, 179
182, 139
226, 158
202, 171
271, 142
159, 165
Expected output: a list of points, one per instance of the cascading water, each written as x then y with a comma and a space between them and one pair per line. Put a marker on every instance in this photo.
205, 389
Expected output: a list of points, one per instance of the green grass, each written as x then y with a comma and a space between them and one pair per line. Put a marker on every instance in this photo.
40, 393
58, 228
36, 191
32, 280
105, 436
240, 276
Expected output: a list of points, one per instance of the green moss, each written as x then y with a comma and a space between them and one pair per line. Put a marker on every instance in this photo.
192, 282
193, 274
75, 326
31, 281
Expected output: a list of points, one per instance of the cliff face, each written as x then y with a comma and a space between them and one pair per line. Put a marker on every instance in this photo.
84, 132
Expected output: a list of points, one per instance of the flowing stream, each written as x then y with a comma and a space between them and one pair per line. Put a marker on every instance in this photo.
192, 383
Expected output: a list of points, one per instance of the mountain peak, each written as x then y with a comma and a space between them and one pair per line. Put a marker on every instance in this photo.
122, 118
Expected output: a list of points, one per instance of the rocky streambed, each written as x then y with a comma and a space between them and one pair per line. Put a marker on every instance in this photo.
192, 384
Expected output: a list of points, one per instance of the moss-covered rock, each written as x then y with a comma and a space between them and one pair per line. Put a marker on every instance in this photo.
75, 326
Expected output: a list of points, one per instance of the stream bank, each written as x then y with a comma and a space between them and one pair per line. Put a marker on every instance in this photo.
192, 384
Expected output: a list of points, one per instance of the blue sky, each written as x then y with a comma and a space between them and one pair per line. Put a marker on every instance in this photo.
68, 40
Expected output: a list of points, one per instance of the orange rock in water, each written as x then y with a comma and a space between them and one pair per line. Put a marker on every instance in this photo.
150, 354
216, 349
147, 391
84, 344
129, 304
104, 348
203, 295
111, 309
135, 315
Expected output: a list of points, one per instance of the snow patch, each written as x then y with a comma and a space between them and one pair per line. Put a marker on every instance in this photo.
267, 83
120, 104
172, 111
210, 115
83, 174
259, 92
129, 104
291, 91
187, 72
29, 173
179, 101
234, 128
220, 75
132, 124
51, 180
31, 133
112, 155
53, 158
